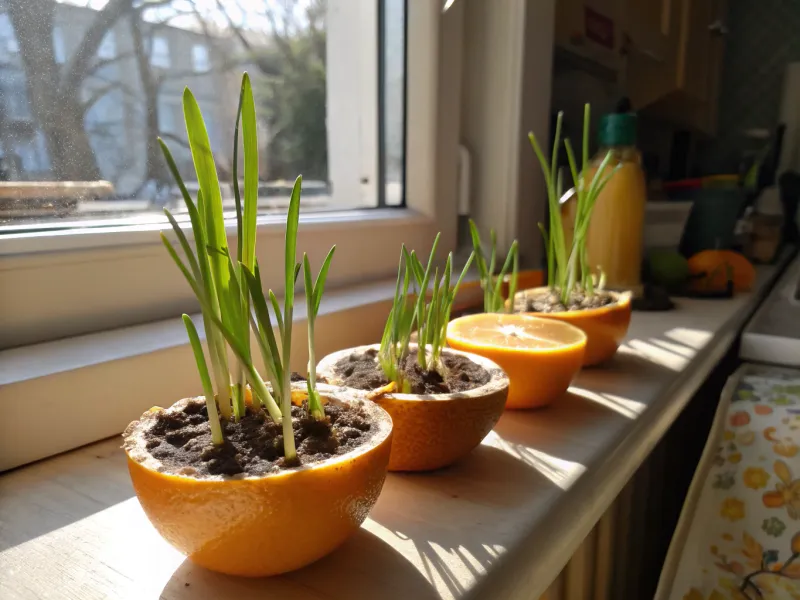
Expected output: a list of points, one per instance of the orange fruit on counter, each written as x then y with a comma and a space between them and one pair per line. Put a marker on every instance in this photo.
711, 269
260, 526
540, 356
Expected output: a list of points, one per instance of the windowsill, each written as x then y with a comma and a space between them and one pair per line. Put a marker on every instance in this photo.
51, 358
541, 479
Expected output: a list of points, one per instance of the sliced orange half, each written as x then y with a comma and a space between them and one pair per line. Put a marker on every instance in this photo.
540, 356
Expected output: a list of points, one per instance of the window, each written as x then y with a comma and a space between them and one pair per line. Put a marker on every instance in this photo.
200, 62
170, 115
14, 96
160, 53
59, 53
397, 85
8, 41
333, 109
108, 47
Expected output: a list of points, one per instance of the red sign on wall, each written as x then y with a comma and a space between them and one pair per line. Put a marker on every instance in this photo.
599, 28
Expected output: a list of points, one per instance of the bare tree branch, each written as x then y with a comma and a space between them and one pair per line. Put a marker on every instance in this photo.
171, 137
108, 61
263, 65
80, 60
99, 92
79, 64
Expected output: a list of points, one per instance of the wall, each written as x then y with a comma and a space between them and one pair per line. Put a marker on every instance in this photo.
506, 93
762, 40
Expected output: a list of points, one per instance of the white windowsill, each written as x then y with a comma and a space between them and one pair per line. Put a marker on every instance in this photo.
50, 358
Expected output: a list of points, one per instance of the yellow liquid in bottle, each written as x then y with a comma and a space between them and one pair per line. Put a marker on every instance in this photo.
614, 241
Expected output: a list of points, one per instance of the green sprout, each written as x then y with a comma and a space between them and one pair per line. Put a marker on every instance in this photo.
568, 268
229, 290
313, 298
430, 315
493, 301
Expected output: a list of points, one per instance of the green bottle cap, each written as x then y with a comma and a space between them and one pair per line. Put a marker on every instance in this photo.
617, 129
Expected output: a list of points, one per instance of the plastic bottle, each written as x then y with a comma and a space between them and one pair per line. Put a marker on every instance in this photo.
614, 242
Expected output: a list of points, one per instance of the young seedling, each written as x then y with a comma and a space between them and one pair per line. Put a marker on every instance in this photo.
313, 298
430, 316
399, 327
493, 301
567, 267
229, 289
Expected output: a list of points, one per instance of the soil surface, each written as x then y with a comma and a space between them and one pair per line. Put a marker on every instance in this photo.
550, 302
181, 440
361, 370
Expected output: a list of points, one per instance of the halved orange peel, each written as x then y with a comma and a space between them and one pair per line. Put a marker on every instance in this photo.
432, 430
258, 526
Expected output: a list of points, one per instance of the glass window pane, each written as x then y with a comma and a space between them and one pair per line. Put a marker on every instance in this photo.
86, 88
393, 114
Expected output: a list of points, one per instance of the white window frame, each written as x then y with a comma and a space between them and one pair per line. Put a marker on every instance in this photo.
50, 282
102, 280
119, 276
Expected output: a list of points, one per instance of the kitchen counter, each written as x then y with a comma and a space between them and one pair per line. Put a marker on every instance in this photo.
499, 524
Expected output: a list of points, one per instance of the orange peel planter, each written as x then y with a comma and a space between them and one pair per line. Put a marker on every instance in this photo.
436, 430
259, 526
541, 357
605, 327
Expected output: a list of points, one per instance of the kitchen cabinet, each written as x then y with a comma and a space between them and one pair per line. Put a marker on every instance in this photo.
674, 60
592, 30
666, 55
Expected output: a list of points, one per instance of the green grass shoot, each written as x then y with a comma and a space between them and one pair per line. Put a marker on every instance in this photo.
428, 313
229, 288
567, 267
491, 284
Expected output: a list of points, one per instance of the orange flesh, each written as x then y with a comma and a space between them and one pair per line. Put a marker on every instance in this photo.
541, 357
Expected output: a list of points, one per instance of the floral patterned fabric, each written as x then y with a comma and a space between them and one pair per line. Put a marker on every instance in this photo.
739, 534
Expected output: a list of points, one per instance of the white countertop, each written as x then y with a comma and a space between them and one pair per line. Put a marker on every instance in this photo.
499, 524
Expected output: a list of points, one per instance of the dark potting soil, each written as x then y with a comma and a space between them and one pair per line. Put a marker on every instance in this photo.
361, 370
550, 302
254, 445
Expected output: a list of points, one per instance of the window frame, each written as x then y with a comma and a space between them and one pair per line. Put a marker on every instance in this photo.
106, 278
115, 374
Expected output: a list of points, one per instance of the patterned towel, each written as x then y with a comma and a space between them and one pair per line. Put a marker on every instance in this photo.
739, 533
